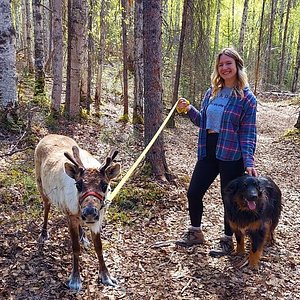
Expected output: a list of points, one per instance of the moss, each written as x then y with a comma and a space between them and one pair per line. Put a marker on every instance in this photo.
293, 135
136, 119
124, 118
134, 199
18, 178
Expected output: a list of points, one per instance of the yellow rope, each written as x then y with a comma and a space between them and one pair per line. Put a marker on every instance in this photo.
112, 195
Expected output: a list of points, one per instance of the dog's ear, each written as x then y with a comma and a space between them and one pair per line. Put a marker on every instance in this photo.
232, 187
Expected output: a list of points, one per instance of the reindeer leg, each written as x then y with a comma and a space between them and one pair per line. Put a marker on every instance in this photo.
104, 276
44, 233
74, 281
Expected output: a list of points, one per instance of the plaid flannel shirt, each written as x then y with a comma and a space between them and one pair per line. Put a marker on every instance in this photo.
237, 136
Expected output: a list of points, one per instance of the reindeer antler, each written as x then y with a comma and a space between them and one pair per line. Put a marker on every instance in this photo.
75, 159
109, 159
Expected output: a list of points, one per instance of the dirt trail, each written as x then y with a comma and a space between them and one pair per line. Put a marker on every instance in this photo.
170, 272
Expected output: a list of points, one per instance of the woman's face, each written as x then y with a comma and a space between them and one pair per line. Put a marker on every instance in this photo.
227, 70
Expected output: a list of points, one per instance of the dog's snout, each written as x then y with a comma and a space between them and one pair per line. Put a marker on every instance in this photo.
253, 197
90, 214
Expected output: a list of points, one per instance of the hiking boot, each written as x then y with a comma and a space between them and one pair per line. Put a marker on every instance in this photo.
190, 238
224, 247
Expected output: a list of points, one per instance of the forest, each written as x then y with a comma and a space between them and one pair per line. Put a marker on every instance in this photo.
108, 73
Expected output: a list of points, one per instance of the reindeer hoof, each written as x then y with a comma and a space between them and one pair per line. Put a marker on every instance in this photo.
74, 283
107, 280
43, 236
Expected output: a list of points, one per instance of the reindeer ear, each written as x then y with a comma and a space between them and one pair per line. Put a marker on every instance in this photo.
73, 171
113, 171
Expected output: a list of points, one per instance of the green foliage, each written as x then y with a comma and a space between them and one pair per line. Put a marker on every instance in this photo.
135, 198
124, 118
292, 135
19, 177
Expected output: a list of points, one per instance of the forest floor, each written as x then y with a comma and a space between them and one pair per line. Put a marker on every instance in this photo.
139, 233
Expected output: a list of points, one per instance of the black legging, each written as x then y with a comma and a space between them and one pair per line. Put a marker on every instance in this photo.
204, 174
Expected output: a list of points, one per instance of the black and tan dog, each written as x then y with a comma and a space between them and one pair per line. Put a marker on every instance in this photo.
252, 207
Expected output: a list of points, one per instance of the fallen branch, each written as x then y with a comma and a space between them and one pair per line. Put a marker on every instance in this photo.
186, 286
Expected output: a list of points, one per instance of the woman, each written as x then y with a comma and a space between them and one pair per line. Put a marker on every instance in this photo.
227, 140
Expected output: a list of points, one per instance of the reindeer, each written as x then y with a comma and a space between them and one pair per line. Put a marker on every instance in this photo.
78, 184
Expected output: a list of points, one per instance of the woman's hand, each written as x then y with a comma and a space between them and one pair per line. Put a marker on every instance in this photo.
251, 171
183, 105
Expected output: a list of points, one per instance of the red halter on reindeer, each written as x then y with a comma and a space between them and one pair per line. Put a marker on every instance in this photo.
78, 184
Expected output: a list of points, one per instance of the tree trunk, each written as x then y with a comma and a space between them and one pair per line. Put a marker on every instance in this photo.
186, 5
38, 48
8, 78
243, 27
57, 60
89, 54
125, 60
297, 67
153, 113
270, 42
297, 125
217, 28
29, 54
138, 104
257, 66
283, 49
98, 90
76, 29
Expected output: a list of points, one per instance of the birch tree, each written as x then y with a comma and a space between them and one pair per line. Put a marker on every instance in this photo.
8, 78
38, 48
217, 28
29, 53
57, 60
243, 27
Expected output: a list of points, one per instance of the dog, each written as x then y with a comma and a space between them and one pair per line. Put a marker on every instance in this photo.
252, 207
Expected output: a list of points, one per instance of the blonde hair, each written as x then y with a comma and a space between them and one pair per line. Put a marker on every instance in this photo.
242, 79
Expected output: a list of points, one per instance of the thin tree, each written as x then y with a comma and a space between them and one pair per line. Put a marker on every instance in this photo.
283, 49
217, 28
100, 56
257, 65
8, 82
76, 29
243, 27
29, 53
125, 60
138, 102
38, 48
186, 5
270, 41
89, 63
297, 67
57, 60
153, 112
